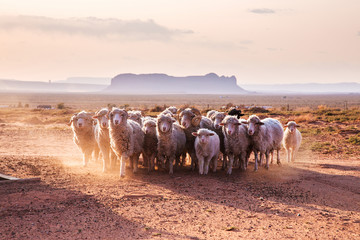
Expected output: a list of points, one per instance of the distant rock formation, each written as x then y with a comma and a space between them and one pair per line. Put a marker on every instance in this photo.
161, 84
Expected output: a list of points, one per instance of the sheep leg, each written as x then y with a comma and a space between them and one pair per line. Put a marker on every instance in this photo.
256, 160
288, 155
135, 160
96, 153
151, 162
272, 156
278, 157
243, 161
267, 155
86, 157
215, 163
231, 161
224, 163
122, 165
201, 165
171, 167
105, 153
206, 165
247, 157
293, 155
113, 159
193, 161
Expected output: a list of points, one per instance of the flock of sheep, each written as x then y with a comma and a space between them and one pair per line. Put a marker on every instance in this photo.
166, 140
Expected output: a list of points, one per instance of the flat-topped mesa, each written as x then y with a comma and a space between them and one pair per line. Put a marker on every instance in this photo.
161, 83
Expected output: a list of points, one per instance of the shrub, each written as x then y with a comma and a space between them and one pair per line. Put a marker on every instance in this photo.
60, 106
355, 140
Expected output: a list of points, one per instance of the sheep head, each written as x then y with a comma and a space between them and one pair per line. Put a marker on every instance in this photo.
254, 123
189, 116
292, 126
231, 124
164, 123
118, 116
203, 135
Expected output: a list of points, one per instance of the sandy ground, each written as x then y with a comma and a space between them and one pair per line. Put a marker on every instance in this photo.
317, 197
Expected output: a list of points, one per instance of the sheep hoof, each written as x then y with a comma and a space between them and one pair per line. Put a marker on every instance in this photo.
122, 176
266, 167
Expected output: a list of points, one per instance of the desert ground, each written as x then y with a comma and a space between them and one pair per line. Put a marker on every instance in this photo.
316, 197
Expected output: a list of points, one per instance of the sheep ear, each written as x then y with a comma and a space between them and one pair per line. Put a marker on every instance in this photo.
286, 125
260, 123
211, 134
238, 124
222, 124
297, 125
194, 134
70, 122
95, 116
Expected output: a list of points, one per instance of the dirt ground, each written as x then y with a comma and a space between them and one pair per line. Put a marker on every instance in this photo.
317, 197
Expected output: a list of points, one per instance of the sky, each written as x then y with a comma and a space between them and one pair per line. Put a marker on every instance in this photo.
258, 41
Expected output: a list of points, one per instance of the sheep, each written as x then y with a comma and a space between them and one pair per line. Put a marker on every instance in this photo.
234, 112
266, 136
171, 140
190, 119
210, 113
170, 110
136, 116
126, 138
83, 128
292, 140
150, 142
217, 118
237, 142
207, 147
206, 123
103, 139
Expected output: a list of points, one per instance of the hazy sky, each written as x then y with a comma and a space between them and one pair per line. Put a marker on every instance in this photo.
258, 41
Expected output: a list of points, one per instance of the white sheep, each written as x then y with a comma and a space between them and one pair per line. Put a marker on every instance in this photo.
237, 142
126, 138
207, 147
83, 127
210, 113
170, 110
102, 138
216, 118
150, 142
171, 140
292, 140
136, 116
266, 136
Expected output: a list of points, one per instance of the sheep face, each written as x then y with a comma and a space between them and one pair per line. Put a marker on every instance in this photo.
102, 118
118, 116
190, 117
292, 126
254, 124
186, 117
172, 109
81, 120
231, 124
164, 123
218, 118
149, 127
135, 116
203, 135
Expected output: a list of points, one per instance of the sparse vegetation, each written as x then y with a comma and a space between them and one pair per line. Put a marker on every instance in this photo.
355, 140
60, 106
